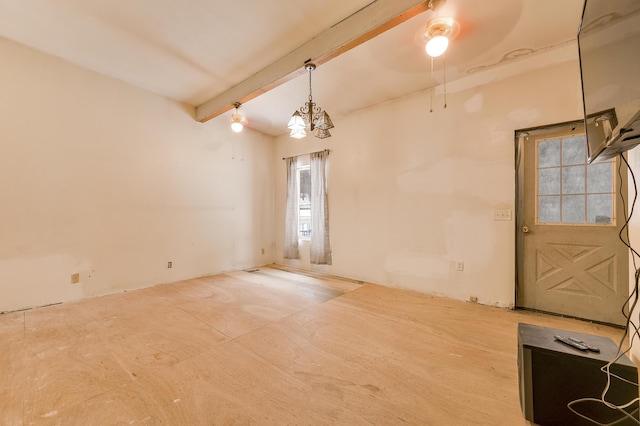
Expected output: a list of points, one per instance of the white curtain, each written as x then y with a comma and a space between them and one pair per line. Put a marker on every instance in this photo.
320, 249
291, 214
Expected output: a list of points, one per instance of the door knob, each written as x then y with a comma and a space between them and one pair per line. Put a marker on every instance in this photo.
525, 229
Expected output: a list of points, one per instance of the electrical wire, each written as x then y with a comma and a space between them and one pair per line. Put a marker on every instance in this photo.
628, 309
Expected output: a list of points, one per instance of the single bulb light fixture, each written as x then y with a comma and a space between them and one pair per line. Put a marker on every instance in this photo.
439, 32
237, 119
437, 45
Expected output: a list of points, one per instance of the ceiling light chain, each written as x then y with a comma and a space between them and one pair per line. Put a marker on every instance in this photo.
444, 83
432, 87
310, 115
310, 112
444, 79
310, 68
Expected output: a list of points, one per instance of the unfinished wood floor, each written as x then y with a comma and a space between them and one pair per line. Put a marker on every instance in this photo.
268, 347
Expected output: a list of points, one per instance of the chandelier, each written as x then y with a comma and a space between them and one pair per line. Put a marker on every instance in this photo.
310, 117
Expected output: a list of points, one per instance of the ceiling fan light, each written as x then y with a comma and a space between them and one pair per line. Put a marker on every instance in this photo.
298, 133
296, 122
324, 122
236, 122
237, 119
237, 127
437, 45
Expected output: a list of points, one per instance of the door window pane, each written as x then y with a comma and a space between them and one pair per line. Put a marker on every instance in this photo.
600, 208
573, 209
599, 178
573, 151
573, 179
549, 181
549, 209
570, 191
549, 154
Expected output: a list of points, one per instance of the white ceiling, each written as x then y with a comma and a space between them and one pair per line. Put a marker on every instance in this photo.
193, 50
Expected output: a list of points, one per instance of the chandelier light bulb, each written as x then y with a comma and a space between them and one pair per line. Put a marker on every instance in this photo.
296, 122
298, 133
324, 122
437, 45
322, 133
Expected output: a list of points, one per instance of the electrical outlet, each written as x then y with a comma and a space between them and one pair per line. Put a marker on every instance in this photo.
75, 278
169, 265
262, 251
502, 214
459, 265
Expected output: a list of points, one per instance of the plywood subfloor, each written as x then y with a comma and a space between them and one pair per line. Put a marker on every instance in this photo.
265, 347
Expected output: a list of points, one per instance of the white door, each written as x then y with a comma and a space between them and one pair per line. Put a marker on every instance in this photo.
570, 258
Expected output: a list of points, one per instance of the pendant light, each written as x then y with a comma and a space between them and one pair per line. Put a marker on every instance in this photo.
310, 116
237, 119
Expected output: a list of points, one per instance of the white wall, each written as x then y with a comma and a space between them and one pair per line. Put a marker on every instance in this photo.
412, 192
112, 182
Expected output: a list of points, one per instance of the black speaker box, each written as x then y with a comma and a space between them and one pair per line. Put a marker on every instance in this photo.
553, 375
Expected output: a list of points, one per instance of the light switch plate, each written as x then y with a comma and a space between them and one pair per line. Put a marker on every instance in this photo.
502, 214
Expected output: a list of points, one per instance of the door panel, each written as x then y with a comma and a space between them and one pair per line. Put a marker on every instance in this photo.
570, 258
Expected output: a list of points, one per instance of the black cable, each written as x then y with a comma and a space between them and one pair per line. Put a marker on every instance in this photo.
628, 308
631, 302
624, 231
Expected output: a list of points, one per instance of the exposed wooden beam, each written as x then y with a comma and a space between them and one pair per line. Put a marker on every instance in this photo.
369, 22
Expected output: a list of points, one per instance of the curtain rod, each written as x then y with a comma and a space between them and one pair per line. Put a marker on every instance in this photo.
308, 153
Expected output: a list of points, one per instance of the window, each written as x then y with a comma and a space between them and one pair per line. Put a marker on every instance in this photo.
569, 191
304, 201
307, 208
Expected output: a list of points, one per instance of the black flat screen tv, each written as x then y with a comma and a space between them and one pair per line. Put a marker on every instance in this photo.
609, 47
